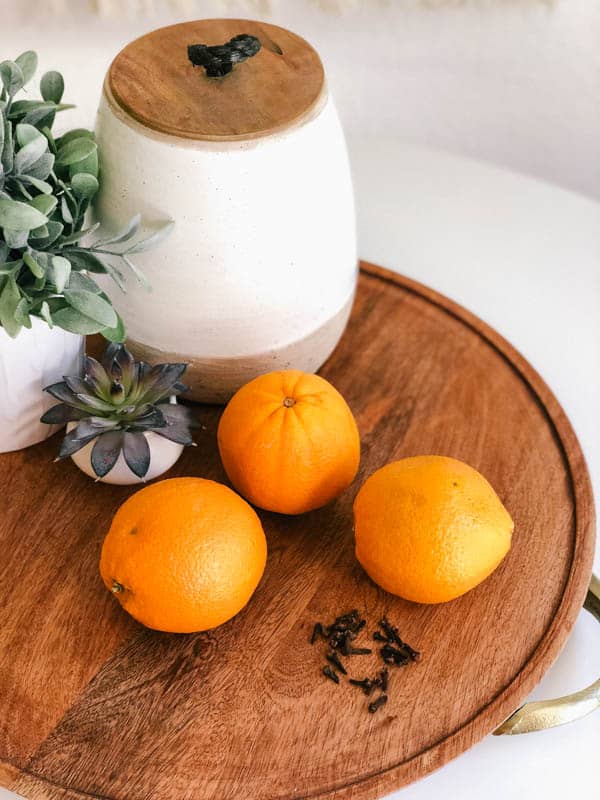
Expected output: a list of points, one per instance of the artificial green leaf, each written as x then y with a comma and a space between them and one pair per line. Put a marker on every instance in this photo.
8, 149
20, 216
15, 239
30, 153
3, 251
138, 274
88, 165
72, 238
9, 300
124, 234
28, 63
52, 86
65, 210
80, 282
84, 185
25, 134
44, 203
43, 115
72, 320
12, 77
22, 312
76, 133
152, 240
83, 259
74, 151
20, 188
39, 233
116, 334
93, 306
45, 314
41, 186
51, 143
35, 268
41, 168
59, 272
54, 231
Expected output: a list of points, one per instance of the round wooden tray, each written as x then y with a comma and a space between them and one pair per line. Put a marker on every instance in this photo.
94, 705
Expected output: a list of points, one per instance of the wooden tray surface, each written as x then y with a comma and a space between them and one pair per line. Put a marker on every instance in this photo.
93, 705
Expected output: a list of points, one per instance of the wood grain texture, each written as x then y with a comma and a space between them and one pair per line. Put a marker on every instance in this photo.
92, 705
153, 81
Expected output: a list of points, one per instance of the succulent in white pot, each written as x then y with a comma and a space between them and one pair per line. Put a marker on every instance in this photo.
124, 425
48, 297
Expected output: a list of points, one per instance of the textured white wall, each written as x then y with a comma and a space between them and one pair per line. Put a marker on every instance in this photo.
515, 82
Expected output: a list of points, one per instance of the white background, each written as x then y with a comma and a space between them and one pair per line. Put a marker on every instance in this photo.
514, 83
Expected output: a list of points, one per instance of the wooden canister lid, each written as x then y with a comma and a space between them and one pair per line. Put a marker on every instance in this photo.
154, 82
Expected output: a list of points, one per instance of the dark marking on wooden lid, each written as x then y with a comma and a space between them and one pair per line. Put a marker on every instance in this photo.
153, 81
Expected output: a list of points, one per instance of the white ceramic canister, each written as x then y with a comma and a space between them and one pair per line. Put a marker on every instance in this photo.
36, 358
260, 270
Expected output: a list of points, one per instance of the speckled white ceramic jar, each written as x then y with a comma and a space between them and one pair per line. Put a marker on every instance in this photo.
36, 358
260, 270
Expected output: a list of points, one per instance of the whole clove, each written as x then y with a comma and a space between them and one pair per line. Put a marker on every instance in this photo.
367, 685
334, 659
331, 674
317, 633
392, 655
378, 703
384, 677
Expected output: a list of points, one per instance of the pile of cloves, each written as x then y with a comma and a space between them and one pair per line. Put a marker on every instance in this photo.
340, 636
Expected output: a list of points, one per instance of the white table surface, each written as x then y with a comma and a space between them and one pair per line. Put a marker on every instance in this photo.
524, 256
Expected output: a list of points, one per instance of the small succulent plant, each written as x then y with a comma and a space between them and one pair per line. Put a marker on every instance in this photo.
116, 402
47, 183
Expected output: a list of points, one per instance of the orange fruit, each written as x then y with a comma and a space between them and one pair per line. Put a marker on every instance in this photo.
184, 555
429, 528
289, 442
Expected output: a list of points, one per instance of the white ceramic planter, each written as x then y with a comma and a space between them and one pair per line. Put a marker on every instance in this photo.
163, 454
36, 358
260, 271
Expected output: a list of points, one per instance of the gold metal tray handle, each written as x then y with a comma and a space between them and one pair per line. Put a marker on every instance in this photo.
549, 713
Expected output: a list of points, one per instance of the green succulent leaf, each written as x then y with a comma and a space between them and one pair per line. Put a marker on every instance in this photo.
74, 441
20, 216
105, 452
61, 414
52, 86
92, 306
136, 452
27, 61
75, 150
84, 185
